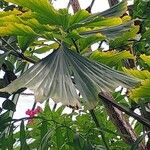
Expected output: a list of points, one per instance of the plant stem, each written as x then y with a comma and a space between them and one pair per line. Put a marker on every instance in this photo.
99, 126
77, 49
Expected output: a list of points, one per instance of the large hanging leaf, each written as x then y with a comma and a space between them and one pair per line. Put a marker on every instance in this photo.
53, 75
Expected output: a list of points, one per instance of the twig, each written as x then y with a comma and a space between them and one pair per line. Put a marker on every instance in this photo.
77, 49
20, 55
90, 7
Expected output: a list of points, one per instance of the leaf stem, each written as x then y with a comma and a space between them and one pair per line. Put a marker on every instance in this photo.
77, 49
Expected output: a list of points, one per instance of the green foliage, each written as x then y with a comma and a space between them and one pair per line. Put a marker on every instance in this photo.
33, 27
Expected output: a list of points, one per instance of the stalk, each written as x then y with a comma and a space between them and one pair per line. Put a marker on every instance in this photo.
98, 125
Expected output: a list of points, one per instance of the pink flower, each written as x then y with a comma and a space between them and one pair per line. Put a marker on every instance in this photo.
32, 113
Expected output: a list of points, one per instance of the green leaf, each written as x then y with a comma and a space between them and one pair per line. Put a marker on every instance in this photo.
45, 11
23, 143
86, 42
78, 17
11, 139
142, 91
4, 121
25, 41
90, 78
111, 32
105, 22
45, 49
44, 130
16, 29
9, 105
123, 38
45, 140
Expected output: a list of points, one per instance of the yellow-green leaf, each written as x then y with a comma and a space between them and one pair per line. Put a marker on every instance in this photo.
146, 59
111, 58
141, 74
43, 8
142, 91
16, 29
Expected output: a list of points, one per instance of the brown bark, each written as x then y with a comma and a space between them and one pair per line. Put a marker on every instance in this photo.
119, 120
75, 5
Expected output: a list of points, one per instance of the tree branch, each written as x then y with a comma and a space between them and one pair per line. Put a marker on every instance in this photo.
75, 5
115, 113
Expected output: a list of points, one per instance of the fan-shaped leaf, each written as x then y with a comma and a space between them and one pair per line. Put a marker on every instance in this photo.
52, 77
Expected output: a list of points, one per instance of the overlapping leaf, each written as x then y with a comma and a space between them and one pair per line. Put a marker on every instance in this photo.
141, 91
111, 58
112, 32
52, 77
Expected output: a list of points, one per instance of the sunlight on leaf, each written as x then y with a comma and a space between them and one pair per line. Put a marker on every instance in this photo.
16, 29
